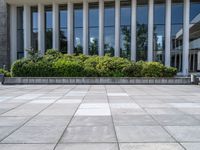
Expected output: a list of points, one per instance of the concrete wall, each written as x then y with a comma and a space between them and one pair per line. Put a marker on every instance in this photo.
4, 55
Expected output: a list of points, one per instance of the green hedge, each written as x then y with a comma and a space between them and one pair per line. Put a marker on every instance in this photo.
56, 64
6, 73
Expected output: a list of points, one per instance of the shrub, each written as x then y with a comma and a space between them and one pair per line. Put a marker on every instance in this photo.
56, 64
6, 73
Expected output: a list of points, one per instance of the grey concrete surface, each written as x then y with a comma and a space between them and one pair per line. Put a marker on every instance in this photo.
100, 117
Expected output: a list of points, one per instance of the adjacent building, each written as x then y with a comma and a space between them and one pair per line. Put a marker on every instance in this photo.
167, 31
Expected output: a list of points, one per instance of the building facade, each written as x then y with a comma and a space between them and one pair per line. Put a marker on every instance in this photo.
167, 31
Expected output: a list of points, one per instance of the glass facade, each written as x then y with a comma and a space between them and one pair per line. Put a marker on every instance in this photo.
125, 27
78, 28
177, 34
109, 28
194, 57
20, 33
93, 28
34, 28
48, 27
159, 31
142, 30
63, 29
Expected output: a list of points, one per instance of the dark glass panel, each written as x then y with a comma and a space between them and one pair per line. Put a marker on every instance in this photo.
142, 30
78, 29
194, 11
93, 41
48, 27
63, 29
109, 28
20, 33
34, 28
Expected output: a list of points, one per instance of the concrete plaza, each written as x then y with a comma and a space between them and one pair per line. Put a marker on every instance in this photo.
99, 117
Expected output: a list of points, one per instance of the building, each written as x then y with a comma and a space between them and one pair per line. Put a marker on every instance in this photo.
167, 31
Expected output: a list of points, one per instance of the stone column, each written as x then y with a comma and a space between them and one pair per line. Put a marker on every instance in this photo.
117, 28
133, 30
70, 28
186, 25
150, 30
101, 27
55, 26
168, 33
85, 27
27, 28
41, 29
13, 33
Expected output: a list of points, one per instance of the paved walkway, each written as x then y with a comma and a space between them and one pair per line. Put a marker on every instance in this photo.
70, 117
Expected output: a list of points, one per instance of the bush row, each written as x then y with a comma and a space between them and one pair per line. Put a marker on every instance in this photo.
56, 64
6, 73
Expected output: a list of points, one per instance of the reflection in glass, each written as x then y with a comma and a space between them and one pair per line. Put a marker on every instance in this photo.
177, 34
194, 57
34, 28
142, 30
159, 31
48, 27
20, 35
78, 29
125, 22
109, 28
93, 28
63, 29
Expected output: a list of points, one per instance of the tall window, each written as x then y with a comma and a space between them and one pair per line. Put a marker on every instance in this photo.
20, 33
125, 22
177, 34
159, 31
78, 28
63, 29
142, 30
194, 57
48, 27
109, 28
34, 28
93, 28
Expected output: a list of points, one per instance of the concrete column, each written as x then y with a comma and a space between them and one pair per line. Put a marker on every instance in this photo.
133, 30
70, 28
168, 33
55, 26
101, 27
150, 30
186, 24
117, 28
13, 33
27, 28
85, 27
41, 29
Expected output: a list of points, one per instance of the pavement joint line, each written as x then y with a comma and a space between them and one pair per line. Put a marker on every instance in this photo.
112, 119
160, 125
70, 120
22, 125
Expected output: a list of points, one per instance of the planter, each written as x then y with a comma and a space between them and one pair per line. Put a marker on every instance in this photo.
98, 80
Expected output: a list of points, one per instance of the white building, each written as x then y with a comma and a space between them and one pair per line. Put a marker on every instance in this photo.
167, 31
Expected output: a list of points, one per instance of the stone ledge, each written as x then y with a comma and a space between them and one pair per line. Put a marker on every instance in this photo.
97, 80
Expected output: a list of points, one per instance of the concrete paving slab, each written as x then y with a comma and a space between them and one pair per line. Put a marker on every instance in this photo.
191, 146
26, 146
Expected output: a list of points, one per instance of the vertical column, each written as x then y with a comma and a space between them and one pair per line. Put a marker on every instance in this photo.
70, 28
13, 33
186, 24
150, 31
101, 27
168, 33
117, 28
41, 29
55, 26
27, 28
133, 30
85, 27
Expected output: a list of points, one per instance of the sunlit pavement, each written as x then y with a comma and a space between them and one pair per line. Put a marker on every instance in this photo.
99, 117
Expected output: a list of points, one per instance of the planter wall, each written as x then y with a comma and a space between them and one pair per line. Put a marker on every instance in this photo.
98, 80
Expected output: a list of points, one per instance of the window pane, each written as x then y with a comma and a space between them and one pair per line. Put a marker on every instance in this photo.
48, 25
63, 17
94, 39
20, 33
93, 15
78, 15
195, 11
34, 30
